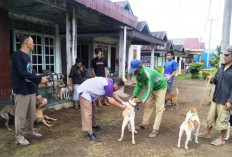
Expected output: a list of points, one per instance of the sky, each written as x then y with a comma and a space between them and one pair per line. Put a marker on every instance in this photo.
182, 18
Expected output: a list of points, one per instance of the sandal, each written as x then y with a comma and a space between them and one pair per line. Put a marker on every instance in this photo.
77, 107
202, 135
23, 142
140, 127
34, 134
218, 142
106, 104
153, 134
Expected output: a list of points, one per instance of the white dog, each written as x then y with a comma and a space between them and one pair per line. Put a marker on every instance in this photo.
129, 118
191, 123
65, 92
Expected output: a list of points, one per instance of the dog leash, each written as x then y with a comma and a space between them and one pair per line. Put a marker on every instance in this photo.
205, 92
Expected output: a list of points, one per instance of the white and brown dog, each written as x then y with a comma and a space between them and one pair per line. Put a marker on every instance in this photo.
129, 119
191, 123
41, 118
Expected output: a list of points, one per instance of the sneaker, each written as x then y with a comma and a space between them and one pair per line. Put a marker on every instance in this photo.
97, 127
93, 137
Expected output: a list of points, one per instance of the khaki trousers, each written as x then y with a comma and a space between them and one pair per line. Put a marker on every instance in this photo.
24, 114
88, 111
157, 98
218, 117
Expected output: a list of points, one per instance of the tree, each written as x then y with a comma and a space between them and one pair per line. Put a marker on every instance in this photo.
216, 58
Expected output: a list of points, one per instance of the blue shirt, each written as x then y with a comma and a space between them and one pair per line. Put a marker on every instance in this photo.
169, 68
96, 87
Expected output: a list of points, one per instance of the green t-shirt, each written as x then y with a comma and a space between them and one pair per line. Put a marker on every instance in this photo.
150, 78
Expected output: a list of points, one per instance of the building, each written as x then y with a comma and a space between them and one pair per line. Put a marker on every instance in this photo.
64, 30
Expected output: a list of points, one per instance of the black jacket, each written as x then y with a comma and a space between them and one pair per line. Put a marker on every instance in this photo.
77, 75
223, 82
23, 80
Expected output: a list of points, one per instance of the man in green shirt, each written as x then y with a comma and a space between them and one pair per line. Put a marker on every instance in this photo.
154, 95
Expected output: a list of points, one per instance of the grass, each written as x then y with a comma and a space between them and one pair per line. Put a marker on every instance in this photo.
187, 77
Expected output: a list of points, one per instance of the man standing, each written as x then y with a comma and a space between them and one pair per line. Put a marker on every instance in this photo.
218, 115
90, 90
170, 70
24, 84
154, 94
99, 68
76, 77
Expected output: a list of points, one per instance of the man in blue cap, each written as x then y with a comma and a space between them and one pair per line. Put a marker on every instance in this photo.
154, 94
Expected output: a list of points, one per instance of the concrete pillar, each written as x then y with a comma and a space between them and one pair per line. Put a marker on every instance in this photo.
226, 27
130, 57
58, 51
68, 44
152, 56
176, 58
180, 61
74, 36
122, 53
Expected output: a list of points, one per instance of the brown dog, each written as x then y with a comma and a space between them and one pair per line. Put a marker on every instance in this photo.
5, 112
173, 99
41, 118
58, 92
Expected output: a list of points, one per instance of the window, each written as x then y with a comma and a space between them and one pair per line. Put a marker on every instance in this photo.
49, 54
43, 55
36, 55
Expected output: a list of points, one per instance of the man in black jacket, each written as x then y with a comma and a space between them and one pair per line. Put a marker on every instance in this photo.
218, 115
24, 84
76, 76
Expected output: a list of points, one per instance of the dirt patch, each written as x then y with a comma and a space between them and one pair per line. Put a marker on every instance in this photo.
65, 138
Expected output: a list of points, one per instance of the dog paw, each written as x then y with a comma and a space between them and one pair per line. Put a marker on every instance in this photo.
9, 129
178, 146
186, 148
136, 132
133, 143
120, 140
196, 142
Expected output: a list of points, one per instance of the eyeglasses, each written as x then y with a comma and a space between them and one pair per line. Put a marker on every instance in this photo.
227, 55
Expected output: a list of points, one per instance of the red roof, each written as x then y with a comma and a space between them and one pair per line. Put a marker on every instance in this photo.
193, 44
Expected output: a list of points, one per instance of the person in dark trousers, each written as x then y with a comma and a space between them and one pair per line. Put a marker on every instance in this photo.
99, 69
24, 84
218, 115
76, 77
170, 70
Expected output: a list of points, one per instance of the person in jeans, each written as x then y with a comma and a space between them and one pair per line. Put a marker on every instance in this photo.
76, 77
92, 89
154, 96
99, 69
170, 70
24, 84
218, 115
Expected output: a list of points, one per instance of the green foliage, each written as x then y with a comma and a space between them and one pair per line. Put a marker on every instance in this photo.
216, 58
213, 72
195, 69
205, 74
160, 70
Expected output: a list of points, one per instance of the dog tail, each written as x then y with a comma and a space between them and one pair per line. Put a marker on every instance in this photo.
177, 90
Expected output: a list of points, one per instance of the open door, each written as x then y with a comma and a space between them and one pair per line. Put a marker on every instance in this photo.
113, 56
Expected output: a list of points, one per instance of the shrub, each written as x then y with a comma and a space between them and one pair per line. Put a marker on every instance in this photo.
195, 68
205, 74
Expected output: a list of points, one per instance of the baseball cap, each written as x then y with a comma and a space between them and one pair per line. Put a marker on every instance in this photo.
228, 50
135, 64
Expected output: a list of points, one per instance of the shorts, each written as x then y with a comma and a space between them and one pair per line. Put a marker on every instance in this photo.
218, 117
76, 94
